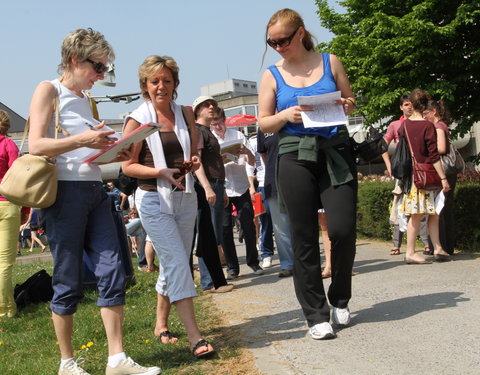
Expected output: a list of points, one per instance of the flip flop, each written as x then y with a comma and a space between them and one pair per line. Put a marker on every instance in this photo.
168, 335
198, 345
427, 251
395, 251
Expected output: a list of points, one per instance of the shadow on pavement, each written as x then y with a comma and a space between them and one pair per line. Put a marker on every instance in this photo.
403, 308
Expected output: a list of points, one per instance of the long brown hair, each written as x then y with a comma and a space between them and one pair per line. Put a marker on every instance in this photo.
289, 17
4, 122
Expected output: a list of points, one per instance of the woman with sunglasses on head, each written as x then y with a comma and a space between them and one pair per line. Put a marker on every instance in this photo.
315, 167
80, 220
165, 197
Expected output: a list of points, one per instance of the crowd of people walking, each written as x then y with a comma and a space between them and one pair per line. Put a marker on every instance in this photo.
188, 186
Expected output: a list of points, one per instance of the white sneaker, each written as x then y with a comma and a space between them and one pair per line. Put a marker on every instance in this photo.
129, 367
71, 368
267, 262
322, 331
340, 316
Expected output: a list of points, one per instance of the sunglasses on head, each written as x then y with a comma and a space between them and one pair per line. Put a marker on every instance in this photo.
283, 42
98, 66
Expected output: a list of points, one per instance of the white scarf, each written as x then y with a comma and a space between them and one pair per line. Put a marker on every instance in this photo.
146, 114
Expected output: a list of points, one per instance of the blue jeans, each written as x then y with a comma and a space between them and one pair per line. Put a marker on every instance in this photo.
206, 281
266, 229
81, 220
216, 210
134, 228
283, 237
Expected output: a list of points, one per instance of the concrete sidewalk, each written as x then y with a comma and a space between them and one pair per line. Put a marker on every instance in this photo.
406, 319
32, 258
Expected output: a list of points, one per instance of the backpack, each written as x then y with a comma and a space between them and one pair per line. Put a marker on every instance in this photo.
37, 288
126, 184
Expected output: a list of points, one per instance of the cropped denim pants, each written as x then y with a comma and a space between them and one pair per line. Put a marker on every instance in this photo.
172, 236
81, 220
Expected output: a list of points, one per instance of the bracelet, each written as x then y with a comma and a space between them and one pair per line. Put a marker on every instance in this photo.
443, 178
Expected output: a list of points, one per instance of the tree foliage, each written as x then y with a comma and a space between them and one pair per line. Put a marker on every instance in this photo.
390, 47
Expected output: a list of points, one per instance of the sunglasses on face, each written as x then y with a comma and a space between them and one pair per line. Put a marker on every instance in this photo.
98, 66
283, 42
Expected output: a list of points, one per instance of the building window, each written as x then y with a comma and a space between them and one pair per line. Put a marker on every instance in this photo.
233, 111
236, 84
245, 85
251, 110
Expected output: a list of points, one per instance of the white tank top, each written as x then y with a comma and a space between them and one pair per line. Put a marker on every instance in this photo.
75, 112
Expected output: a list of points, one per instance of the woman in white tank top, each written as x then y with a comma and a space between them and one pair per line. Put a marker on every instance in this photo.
81, 220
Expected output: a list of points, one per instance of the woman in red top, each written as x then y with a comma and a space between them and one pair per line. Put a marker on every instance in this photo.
418, 202
9, 223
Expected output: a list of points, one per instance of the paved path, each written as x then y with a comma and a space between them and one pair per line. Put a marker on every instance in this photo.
32, 258
406, 319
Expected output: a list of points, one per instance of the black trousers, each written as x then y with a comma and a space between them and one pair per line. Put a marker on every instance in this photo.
245, 214
206, 240
304, 187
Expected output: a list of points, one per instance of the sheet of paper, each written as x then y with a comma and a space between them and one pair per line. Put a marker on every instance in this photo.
229, 146
327, 112
109, 154
439, 202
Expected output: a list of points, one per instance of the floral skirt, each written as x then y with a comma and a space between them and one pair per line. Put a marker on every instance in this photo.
419, 201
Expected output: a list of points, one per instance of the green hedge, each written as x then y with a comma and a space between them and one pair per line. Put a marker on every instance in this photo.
467, 215
373, 209
375, 198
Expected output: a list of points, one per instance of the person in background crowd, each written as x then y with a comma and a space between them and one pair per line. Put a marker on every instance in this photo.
81, 219
165, 198
209, 185
437, 112
121, 199
316, 167
327, 246
9, 223
392, 134
417, 202
267, 146
33, 222
240, 190
265, 240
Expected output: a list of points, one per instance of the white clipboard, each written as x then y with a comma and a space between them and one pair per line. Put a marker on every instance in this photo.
107, 155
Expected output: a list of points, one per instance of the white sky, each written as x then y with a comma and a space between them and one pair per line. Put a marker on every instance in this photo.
211, 40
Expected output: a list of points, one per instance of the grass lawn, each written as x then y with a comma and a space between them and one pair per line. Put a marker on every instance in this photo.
28, 343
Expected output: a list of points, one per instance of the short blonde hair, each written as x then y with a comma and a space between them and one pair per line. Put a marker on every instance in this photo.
4, 122
152, 65
83, 44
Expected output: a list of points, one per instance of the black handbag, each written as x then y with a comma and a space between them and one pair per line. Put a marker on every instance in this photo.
402, 160
126, 184
371, 148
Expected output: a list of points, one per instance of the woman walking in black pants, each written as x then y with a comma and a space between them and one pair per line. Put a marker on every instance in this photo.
315, 168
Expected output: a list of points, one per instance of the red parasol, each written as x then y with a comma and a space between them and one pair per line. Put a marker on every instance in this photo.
241, 120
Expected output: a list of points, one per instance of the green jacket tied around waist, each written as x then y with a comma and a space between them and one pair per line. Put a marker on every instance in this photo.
308, 147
